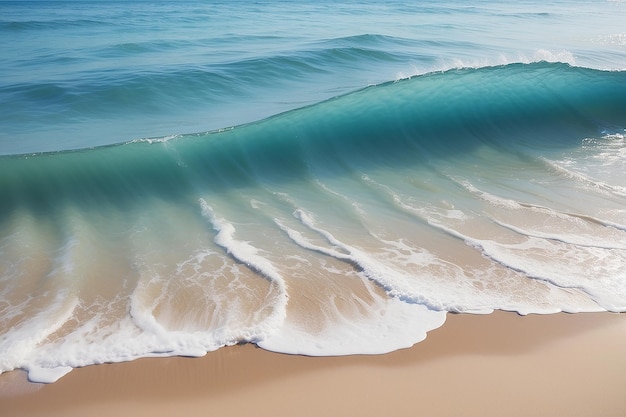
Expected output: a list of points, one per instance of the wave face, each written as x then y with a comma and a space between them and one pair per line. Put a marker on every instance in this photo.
349, 226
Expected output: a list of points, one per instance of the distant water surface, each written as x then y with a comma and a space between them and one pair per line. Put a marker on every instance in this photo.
82, 74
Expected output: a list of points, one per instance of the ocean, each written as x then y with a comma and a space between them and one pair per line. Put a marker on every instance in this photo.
316, 178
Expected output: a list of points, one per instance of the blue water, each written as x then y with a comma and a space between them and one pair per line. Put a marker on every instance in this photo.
83, 74
326, 179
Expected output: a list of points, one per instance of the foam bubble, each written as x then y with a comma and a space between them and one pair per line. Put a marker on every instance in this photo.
389, 325
48, 375
246, 253
447, 64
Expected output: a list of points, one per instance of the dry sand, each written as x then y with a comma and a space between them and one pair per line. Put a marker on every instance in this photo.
494, 365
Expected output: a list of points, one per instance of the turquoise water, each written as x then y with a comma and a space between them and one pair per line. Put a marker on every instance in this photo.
324, 179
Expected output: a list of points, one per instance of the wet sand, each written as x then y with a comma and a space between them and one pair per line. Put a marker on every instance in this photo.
494, 365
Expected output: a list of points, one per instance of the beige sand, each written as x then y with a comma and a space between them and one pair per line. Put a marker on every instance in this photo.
495, 365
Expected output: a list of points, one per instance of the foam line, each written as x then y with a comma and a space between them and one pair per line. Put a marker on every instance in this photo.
248, 255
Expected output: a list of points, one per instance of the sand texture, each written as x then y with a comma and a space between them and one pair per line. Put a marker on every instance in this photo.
493, 365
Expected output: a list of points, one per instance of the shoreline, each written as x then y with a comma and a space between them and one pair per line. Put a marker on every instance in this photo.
499, 364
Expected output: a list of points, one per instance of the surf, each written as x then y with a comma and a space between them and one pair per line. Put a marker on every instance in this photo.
324, 230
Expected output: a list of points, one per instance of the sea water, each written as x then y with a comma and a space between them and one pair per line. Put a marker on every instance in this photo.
320, 178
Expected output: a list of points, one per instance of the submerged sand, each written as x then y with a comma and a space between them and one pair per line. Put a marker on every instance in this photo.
493, 365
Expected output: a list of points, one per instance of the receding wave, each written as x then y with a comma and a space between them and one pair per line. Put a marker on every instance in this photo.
349, 226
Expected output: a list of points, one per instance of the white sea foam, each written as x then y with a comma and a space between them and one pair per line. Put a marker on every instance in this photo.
614, 39
20, 345
156, 139
595, 271
415, 276
590, 183
386, 324
447, 64
394, 281
247, 254
389, 325
598, 272
490, 198
613, 241
577, 218
98, 341
565, 266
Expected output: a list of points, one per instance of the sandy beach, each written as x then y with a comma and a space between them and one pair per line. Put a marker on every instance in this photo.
495, 365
